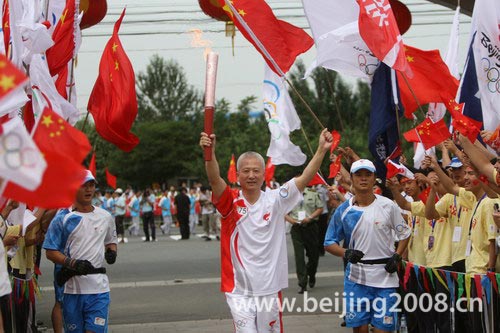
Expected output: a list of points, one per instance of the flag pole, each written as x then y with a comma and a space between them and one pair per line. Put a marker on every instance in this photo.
268, 56
413, 93
308, 108
337, 108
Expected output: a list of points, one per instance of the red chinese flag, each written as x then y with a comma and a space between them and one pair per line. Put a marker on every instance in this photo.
336, 141
61, 180
379, 30
63, 148
275, 39
431, 81
398, 151
92, 166
335, 167
113, 101
11, 78
424, 195
110, 179
465, 125
60, 136
428, 133
59, 54
269, 172
231, 172
317, 180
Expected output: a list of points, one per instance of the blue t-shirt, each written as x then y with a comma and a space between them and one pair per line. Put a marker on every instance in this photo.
165, 206
135, 207
192, 200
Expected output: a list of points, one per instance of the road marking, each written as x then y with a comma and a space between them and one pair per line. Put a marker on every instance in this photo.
181, 282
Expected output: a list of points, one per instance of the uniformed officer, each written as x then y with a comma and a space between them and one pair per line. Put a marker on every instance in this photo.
305, 237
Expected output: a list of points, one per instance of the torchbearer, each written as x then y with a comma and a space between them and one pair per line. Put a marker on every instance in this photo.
254, 264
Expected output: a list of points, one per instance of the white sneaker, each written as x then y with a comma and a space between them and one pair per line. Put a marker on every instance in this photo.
125, 240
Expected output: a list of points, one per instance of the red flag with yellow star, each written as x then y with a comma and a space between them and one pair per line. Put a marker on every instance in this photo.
428, 133
63, 148
279, 42
431, 81
59, 54
465, 125
11, 77
231, 172
113, 101
55, 133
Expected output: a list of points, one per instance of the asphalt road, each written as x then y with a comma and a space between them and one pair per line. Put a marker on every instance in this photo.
171, 281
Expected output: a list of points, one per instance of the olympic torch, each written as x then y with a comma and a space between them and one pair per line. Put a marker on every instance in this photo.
210, 79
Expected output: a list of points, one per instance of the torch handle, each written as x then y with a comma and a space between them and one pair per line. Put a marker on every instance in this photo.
209, 129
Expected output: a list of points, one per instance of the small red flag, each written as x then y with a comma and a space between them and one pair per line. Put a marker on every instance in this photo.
231, 172
269, 173
110, 179
428, 133
335, 167
465, 125
113, 101
336, 141
60, 136
59, 54
279, 42
398, 151
92, 165
11, 78
317, 180
425, 194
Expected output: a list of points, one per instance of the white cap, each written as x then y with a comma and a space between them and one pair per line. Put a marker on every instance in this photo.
119, 190
362, 164
89, 177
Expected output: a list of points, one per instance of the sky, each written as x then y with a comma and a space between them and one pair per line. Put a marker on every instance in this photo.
164, 27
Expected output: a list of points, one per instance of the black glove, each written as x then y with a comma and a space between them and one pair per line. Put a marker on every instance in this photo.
353, 256
82, 267
110, 256
393, 263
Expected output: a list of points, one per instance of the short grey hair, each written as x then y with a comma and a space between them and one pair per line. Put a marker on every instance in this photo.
250, 154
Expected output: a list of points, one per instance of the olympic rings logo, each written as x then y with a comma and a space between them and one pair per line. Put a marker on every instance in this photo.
71, 327
14, 155
492, 76
368, 69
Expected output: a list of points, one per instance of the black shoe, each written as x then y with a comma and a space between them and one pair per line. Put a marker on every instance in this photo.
146, 240
218, 238
312, 281
301, 290
208, 239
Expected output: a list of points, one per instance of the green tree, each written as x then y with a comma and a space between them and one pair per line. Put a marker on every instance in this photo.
163, 92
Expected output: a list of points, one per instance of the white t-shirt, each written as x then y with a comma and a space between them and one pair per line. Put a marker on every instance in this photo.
83, 236
253, 241
373, 230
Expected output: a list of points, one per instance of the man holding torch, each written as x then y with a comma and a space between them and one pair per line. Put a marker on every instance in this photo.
253, 243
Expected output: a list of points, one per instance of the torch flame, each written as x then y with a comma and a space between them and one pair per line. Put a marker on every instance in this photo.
198, 41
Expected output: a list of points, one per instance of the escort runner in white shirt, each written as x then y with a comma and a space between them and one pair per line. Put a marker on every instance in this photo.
253, 249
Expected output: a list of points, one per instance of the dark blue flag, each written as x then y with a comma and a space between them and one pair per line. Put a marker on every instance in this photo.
383, 134
469, 90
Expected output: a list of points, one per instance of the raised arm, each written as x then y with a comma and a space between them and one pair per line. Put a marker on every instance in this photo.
325, 142
400, 200
477, 158
212, 167
446, 181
